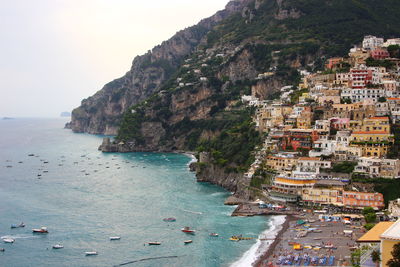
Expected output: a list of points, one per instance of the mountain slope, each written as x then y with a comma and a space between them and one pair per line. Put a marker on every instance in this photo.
101, 113
195, 103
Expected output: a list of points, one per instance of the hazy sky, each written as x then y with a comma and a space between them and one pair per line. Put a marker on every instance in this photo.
54, 53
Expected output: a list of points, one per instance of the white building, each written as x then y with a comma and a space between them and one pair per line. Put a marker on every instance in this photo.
371, 42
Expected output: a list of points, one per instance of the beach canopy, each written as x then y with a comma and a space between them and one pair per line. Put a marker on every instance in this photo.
300, 222
297, 247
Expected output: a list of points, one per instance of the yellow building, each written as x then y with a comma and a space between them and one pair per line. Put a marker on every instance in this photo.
373, 143
281, 162
376, 124
388, 239
322, 196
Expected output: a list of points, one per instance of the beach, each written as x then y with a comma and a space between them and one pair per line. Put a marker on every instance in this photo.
330, 240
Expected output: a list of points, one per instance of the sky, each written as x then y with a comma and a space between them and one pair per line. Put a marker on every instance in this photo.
54, 53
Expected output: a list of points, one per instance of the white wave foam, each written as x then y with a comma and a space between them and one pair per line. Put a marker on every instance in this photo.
260, 247
192, 158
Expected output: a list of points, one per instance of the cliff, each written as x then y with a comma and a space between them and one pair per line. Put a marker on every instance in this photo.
102, 112
185, 94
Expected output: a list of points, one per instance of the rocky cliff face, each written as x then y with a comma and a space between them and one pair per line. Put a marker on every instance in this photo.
102, 112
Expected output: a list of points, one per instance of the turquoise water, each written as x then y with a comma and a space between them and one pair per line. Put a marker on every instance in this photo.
85, 196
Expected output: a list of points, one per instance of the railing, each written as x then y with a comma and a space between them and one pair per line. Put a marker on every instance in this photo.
366, 254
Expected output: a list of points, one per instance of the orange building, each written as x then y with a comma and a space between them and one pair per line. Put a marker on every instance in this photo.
360, 199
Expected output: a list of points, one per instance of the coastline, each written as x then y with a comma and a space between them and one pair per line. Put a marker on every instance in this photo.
272, 247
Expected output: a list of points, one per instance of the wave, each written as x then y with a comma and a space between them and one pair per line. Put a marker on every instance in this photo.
192, 158
260, 247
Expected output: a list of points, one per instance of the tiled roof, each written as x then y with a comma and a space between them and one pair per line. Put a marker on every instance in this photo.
309, 158
374, 234
393, 232
370, 132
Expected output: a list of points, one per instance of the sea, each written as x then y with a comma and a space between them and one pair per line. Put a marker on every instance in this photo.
52, 177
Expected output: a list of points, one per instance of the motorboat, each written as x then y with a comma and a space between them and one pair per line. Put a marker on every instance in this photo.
90, 253
2, 250
18, 225
115, 238
42, 230
213, 234
58, 246
169, 219
154, 243
187, 230
8, 240
188, 241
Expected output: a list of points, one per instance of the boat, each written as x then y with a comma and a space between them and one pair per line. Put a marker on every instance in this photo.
154, 243
42, 230
213, 234
90, 253
58, 246
2, 250
17, 225
188, 241
115, 237
169, 219
8, 240
187, 230
234, 238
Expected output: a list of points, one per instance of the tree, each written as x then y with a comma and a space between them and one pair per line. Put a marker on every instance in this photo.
382, 99
370, 217
376, 257
367, 210
395, 261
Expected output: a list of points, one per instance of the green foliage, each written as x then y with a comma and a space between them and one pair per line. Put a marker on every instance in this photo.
236, 142
394, 149
376, 256
369, 226
129, 129
370, 217
367, 210
356, 257
394, 51
370, 62
344, 167
294, 97
395, 261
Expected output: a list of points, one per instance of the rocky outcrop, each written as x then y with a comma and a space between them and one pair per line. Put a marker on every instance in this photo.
263, 88
102, 112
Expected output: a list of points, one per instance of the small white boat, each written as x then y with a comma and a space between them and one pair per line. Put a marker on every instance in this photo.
213, 234
90, 253
154, 243
8, 240
2, 250
115, 237
58, 246
188, 241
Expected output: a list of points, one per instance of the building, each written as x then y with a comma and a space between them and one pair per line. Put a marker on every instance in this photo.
322, 196
353, 199
389, 42
282, 162
379, 54
289, 189
389, 238
371, 42
333, 62
372, 237
394, 208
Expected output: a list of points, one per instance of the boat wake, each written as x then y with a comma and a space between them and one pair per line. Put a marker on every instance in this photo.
146, 259
260, 247
19, 236
193, 212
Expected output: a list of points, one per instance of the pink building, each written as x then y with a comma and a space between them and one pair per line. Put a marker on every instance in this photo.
340, 123
379, 54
